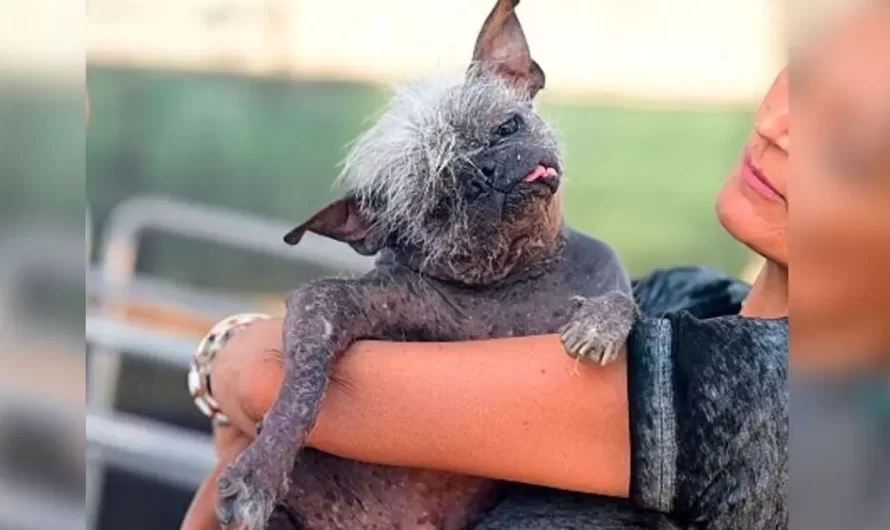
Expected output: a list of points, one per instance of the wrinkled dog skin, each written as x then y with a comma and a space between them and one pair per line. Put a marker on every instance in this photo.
457, 189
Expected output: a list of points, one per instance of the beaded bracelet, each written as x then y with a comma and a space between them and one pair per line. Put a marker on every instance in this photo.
199, 368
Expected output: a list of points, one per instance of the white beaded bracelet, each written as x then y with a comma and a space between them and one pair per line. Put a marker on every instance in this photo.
199, 369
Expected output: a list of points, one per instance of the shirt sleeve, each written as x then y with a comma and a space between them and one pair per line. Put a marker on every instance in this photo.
709, 420
701, 291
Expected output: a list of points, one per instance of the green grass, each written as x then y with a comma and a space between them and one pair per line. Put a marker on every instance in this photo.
644, 180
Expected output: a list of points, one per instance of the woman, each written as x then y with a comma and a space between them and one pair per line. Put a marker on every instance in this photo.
694, 424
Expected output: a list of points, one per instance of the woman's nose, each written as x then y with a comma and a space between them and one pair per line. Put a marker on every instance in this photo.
773, 124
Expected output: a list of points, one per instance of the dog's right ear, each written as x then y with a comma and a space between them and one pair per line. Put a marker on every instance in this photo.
344, 221
501, 48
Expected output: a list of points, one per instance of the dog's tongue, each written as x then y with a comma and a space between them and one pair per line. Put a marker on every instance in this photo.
537, 173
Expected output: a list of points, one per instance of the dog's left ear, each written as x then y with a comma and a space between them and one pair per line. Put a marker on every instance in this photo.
502, 48
341, 220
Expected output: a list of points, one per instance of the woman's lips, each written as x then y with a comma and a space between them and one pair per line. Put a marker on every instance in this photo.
757, 181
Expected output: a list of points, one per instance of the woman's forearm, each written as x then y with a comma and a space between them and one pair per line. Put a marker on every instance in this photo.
514, 409
517, 409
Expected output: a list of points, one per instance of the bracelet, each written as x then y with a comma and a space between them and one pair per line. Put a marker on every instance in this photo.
199, 368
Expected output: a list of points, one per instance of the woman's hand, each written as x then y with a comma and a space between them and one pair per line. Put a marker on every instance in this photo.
228, 442
247, 373
245, 377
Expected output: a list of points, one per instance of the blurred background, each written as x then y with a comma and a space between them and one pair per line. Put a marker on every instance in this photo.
41, 266
216, 125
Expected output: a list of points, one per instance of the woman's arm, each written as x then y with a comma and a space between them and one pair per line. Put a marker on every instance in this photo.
228, 443
701, 405
514, 409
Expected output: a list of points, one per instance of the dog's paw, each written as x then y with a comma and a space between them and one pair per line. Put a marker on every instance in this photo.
598, 327
248, 491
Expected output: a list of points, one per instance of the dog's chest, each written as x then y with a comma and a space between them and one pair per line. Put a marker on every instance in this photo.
537, 306
517, 311
430, 310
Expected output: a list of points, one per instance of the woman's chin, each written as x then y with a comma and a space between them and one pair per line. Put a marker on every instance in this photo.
746, 223
735, 212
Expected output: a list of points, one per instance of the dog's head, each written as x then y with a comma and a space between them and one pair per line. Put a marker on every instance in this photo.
461, 176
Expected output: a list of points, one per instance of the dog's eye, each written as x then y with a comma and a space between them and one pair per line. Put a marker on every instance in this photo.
510, 127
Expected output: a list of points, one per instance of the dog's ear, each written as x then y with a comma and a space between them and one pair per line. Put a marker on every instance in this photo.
501, 47
341, 220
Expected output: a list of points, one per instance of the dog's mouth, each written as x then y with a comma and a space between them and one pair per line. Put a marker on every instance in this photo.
543, 174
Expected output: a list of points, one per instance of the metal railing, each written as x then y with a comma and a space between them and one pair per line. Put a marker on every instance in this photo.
145, 447
150, 448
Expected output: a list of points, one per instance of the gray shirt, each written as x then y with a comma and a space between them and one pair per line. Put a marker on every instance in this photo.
708, 413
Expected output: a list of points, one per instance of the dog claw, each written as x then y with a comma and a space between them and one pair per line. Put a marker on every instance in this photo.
226, 487
598, 328
225, 513
607, 355
248, 490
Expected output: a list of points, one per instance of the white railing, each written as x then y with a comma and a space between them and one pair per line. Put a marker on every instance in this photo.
136, 444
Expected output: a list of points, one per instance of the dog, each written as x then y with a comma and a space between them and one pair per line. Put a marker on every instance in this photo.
456, 189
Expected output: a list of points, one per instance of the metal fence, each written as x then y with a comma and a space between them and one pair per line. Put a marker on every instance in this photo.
138, 445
